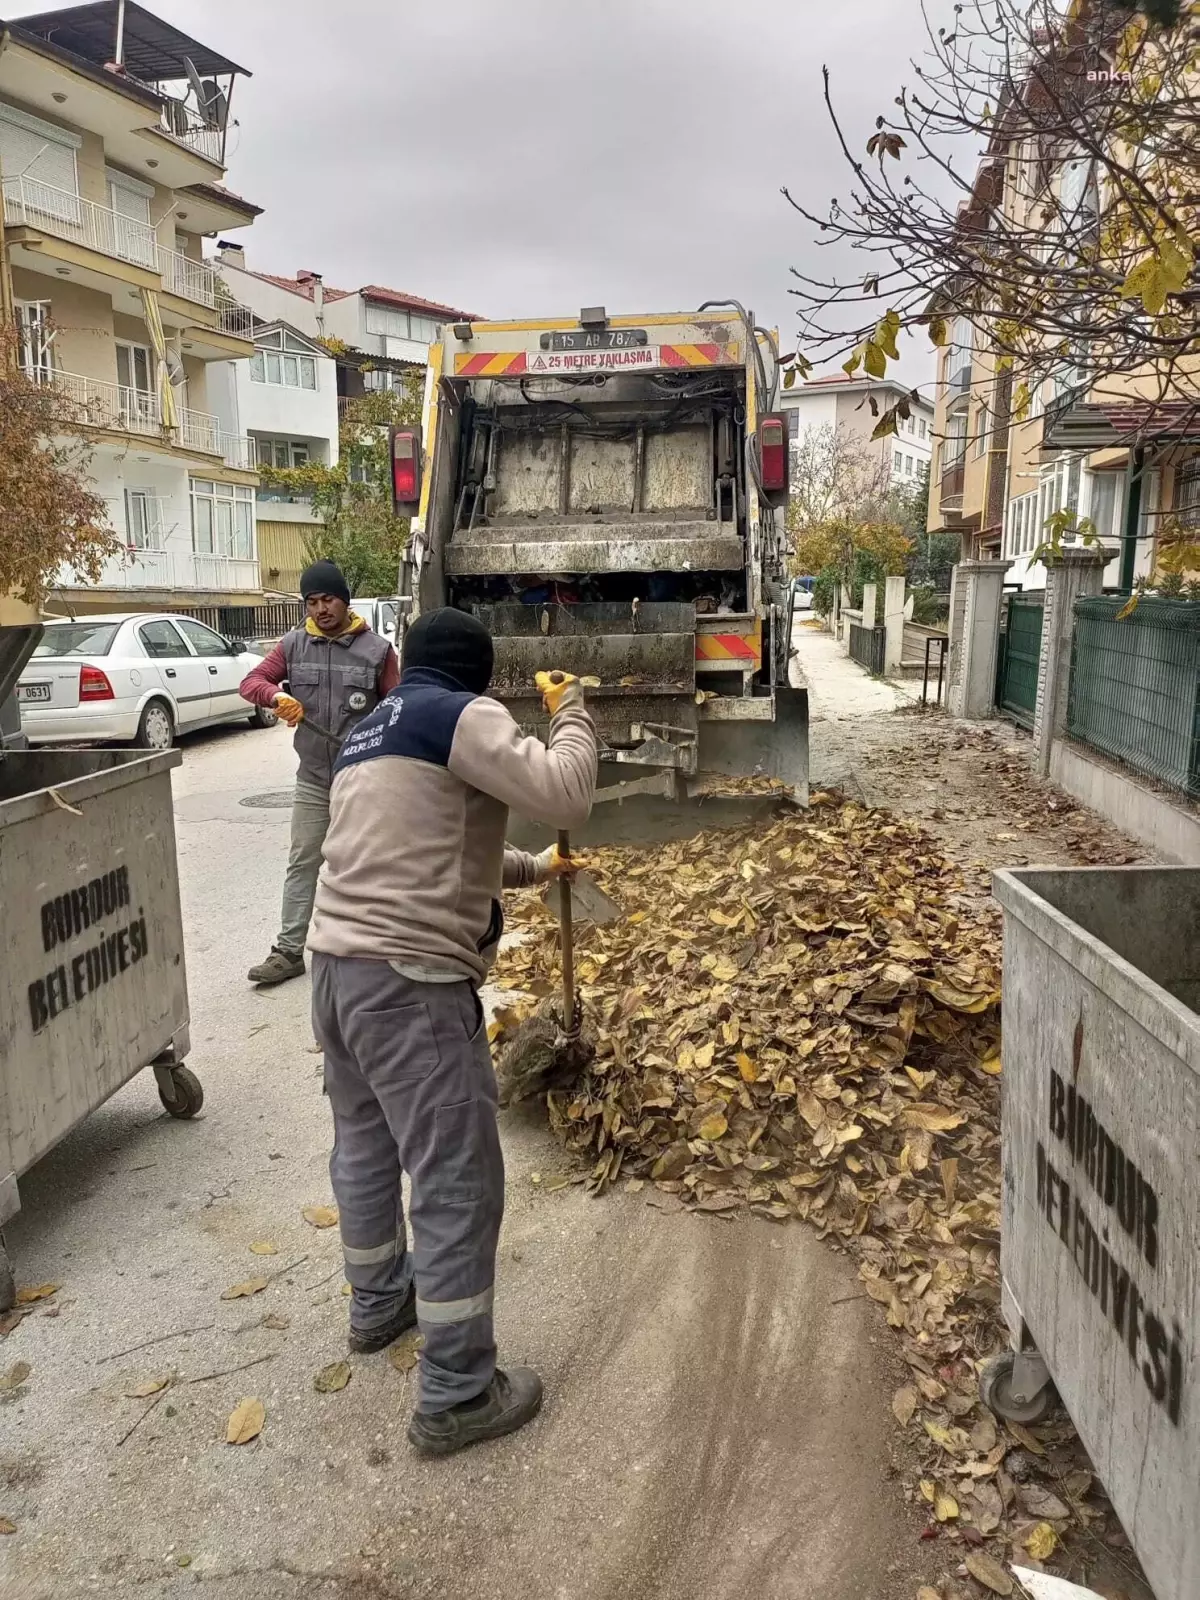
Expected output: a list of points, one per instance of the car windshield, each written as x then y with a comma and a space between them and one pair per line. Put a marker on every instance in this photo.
77, 639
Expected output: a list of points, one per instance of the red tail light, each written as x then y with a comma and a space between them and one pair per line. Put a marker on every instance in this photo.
773, 454
94, 685
406, 468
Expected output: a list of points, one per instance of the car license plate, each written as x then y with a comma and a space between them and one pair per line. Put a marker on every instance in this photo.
33, 691
598, 339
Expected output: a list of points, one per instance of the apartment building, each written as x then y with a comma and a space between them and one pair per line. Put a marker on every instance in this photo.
838, 401
112, 151
1095, 446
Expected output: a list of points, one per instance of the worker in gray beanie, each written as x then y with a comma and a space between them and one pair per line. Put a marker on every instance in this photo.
336, 670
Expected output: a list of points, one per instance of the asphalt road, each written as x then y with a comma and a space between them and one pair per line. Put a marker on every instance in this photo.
717, 1417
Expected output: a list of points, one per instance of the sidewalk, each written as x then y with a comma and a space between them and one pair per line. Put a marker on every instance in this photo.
837, 686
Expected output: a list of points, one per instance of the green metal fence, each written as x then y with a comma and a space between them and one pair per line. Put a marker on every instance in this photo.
1135, 685
1019, 655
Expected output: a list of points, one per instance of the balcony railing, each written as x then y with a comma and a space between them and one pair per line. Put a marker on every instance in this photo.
200, 430
108, 405
172, 569
237, 320
952, 481
191, 280
28, 203
187, 127
225, 572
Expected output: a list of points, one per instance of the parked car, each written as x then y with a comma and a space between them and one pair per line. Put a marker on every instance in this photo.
379, 615
802, 593
139, 679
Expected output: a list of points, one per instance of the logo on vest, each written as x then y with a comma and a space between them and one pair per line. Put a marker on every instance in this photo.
397, 708
356, 700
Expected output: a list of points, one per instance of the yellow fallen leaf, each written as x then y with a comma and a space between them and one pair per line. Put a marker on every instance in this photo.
926, 1593
969, 1001
1022, 1434
7, 1526
989, 1573
38, 1291
904, 1403
245, 1422
746, 1067
332, 1378
945, 1508
704, 1057
239, 1291
263, 1247
143, 1391
713, 1126
347, 1290
15, 1376
405, 1353
321, 1216
931, 1118
928, 1490
1042, 1542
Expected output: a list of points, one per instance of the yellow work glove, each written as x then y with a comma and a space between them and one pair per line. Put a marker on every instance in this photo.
558, 689
289, 710
553, 865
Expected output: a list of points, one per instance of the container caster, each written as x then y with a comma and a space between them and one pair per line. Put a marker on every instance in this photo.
1016, 1386
179, 1090
8, 1284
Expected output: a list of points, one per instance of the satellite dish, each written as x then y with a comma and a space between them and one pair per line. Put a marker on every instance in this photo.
215, 105
196, 81
175, 368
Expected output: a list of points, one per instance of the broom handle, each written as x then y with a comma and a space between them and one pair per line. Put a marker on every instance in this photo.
568, 939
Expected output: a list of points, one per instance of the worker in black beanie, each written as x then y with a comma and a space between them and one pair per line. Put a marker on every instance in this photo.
454, 643
336, 670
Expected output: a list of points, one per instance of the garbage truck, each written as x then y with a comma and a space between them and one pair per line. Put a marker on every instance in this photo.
607, 494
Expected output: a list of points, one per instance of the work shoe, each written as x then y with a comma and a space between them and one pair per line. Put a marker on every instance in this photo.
510, 1401
277, 968
367, 1344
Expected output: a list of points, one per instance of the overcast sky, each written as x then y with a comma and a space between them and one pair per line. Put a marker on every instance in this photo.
519, 157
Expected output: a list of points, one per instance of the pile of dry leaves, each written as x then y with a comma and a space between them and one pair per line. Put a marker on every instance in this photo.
802, 1018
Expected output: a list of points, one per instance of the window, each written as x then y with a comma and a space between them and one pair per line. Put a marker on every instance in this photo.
376, 379
908, 466
922, 428
956, 438
38, 162
982, 422
793, 421
282, 359
282, 452
143, 522
77, 639
222, 519
391, 323
35, 338
897, 458
1022, 532
203, 640
1105, 500
134, 238
160, 640
1187, 493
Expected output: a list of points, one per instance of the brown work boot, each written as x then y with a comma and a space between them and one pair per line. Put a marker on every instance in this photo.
277, 968
510, 1401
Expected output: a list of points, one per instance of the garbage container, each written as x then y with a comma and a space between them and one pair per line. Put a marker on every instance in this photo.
1100, 1241
92, 981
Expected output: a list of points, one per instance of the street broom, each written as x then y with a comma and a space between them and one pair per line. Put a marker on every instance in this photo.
552, 1048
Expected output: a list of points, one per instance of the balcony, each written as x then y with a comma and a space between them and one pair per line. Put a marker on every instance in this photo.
951, 486
173, 569
65, 215
200, 430
108, 405
189, 279
236, 320
183, 124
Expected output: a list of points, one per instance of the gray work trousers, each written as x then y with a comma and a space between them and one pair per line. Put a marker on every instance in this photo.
410, 1081
310, 824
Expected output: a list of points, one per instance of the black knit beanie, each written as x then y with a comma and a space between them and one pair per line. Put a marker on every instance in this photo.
451, 642
324, 577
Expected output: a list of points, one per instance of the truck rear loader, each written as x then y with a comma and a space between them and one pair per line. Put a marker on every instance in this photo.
607, 495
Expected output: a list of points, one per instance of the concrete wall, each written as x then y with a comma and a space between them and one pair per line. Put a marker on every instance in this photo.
1172, 831
83, 319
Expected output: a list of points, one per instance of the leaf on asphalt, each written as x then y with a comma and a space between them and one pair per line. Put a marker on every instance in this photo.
945, 1508
245, 1422
143, 1391
904, 1404
321, 1216
989, 1573
332, 1378
264, 1247
275, 1321
37, 1291
15, 1376
405, 1353
1042, 1542
7, 1526
239, 1291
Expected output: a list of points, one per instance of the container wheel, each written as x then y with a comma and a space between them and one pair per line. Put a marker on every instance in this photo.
186, 1095
8, 1284
998, 1395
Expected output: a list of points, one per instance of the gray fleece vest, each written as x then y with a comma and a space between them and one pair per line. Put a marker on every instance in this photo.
337, 682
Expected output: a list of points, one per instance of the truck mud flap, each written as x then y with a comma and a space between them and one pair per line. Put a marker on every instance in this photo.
777, 749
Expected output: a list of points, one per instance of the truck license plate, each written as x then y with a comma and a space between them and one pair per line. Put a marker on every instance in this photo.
599, 339
33, 691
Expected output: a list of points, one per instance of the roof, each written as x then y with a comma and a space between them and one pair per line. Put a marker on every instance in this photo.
153, 50
843, 381
371, 291
86, 69
223, 196
317, 348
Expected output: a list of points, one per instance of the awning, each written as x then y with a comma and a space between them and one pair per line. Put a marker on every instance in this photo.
166, 393
1100, 426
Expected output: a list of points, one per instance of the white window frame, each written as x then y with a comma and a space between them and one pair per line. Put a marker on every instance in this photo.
35, 340
144, 507
983, 428
1092, 482
228, 509
269, 447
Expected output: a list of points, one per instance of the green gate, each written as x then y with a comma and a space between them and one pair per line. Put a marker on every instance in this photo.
1019, 656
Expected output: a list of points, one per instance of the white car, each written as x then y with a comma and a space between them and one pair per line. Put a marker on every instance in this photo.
136, 679
379, 615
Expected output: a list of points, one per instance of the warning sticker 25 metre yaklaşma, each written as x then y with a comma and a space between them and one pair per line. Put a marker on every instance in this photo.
550, 363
